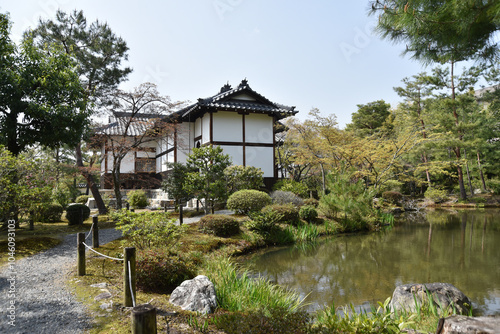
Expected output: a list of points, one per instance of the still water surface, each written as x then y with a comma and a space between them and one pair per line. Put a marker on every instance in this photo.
458, 247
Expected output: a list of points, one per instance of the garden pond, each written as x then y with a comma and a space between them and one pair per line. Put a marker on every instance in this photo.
461, 247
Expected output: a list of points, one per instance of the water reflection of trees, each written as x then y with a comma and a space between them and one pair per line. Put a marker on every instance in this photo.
458, 248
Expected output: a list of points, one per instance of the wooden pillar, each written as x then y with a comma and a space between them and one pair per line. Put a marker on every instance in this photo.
129, 277
80, 255
95, 231
144, 319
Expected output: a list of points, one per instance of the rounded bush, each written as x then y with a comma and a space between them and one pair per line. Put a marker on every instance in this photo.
82, 199
219, 225
289, 213
159, 271
246, 201
393, 197
51, 213
137, 199
75, 211
308, 213
311, 202
286, 197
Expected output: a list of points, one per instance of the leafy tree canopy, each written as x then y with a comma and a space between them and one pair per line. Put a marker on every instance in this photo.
40, 95
441, 31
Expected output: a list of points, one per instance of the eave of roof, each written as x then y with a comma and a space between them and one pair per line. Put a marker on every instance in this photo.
223, 101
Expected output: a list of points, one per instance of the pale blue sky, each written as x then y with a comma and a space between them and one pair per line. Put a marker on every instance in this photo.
314, 53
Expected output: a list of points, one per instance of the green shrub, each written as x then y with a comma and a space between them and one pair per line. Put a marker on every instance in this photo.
298, 188
286, 197
137, 199
246, 201
478, 200
494, 185
147, 229
393, 197
51, 213
308, 213
75, 211
289, 213
158, 271
219, 225
82, 199
263, 222
436, 195
311, 202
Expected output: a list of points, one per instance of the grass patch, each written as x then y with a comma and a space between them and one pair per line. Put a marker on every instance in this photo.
27, 247
237, 290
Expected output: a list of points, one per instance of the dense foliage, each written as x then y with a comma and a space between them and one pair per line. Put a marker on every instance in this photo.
137, 199
219, 225
76, 213
246, 201
147, 229
160, 271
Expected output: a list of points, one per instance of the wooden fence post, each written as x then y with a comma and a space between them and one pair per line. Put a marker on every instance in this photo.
144, 319
129, 280
95, 231
80, 255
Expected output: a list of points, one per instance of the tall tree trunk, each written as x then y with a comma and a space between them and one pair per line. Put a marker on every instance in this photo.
424, 135
90, 181
463, 194
468, 173
116, 183
481, 171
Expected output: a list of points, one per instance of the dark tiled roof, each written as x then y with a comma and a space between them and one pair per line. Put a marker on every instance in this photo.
137, 126
225, 100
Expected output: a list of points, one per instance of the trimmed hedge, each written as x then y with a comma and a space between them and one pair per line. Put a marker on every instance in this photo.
74, 212
219, 225
289, 213
246, 201
159, 271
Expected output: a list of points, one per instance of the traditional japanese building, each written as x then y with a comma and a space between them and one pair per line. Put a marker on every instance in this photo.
240, 120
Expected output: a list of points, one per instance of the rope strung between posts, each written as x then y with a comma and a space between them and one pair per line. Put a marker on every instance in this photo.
109, 257
130, 284
88, 235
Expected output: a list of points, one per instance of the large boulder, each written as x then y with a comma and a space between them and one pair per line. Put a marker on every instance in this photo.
197, 294
444, 295
458, 324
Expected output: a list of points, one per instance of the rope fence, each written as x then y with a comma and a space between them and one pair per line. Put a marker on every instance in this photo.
143, 316
101, 254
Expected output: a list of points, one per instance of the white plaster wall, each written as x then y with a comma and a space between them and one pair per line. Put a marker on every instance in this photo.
258, 129
127, 164
228, 126
261, 157
197, 127
235, 153
205, 128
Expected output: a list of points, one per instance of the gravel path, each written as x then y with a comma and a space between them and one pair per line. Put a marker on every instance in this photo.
43, 303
